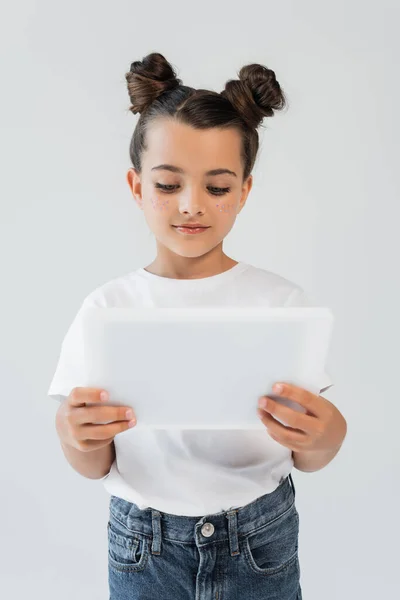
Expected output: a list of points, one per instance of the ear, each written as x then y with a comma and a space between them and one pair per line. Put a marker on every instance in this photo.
133, 179
247, 185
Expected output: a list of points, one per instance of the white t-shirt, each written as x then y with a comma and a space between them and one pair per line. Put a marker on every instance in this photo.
187, 472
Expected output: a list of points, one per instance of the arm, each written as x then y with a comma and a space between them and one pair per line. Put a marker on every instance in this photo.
313, 461
93, 465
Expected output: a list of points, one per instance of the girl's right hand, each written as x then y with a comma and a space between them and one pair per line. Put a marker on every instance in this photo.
76, 421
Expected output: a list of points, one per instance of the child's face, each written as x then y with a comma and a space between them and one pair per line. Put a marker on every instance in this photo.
193, 196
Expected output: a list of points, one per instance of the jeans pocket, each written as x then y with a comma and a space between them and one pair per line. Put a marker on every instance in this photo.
274, 547
127, 551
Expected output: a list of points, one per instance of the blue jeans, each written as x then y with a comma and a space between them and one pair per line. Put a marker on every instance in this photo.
246, 553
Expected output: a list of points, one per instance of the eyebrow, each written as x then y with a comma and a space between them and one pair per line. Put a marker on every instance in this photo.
174, 169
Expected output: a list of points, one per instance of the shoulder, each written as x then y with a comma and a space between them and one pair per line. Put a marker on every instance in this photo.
118, 291
280, 290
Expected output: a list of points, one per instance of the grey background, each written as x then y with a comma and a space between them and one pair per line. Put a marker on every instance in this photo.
323, 212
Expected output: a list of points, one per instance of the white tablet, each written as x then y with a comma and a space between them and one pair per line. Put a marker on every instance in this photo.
203, 367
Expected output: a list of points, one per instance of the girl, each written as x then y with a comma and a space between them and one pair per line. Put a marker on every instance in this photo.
196, 514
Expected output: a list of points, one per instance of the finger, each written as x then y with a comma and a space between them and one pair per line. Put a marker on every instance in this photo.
299, 447
102, 414
286, 434
89, 445
312, 403
101, 432
291, 417
80, 396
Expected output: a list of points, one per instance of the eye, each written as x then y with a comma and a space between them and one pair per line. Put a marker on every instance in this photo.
166, 188
219, 191
215, 191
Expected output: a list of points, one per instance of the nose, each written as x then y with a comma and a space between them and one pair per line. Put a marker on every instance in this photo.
192, 204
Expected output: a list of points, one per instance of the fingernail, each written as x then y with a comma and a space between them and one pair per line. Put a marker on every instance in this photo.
278, 388
132, 423
104, 395
263, 402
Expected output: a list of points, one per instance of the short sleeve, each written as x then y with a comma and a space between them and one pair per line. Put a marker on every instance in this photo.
70, 369
299, 298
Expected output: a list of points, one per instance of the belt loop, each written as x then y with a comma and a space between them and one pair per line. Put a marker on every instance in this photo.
233, 534
156, 525
291, 481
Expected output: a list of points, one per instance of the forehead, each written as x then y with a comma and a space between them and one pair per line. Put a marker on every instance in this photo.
194, 150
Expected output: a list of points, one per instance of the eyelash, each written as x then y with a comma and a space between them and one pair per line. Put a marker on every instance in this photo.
165, 190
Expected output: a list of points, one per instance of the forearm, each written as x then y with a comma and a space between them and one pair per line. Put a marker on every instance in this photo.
313, 460
93, 465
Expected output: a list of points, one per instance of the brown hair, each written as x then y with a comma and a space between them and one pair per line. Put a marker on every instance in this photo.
155, 91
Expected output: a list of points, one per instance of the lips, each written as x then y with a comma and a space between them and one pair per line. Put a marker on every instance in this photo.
192, 230
191, 226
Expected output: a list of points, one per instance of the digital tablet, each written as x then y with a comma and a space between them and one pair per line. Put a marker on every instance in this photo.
203, 367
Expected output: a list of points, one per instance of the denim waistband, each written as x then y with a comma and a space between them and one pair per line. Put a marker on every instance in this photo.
228, 525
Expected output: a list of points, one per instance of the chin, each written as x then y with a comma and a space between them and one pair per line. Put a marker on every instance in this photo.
190, 253
189, 249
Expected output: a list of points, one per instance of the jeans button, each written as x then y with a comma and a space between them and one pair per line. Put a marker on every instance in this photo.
207, 530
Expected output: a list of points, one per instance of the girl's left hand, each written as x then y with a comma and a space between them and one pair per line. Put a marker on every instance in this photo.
323, 428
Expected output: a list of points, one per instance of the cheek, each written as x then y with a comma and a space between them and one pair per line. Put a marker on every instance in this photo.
225, 207
159, 204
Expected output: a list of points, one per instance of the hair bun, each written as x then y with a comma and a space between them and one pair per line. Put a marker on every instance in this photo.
256, 94
148, 79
